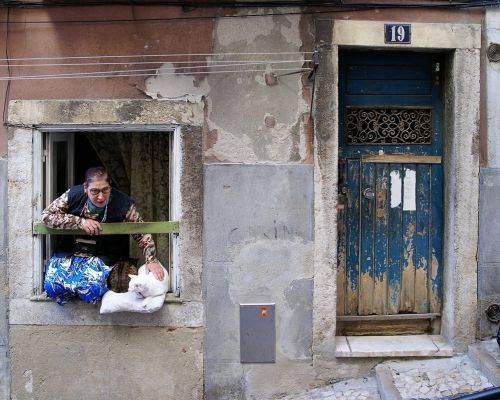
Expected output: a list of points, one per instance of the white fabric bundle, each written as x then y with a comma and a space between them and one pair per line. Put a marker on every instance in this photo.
146, 294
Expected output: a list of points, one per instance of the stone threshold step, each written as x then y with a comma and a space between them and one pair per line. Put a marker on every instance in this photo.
392, 346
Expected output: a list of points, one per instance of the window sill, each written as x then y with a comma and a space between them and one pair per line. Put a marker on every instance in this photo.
169, 298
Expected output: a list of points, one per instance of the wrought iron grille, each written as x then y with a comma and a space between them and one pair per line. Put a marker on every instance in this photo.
388, 125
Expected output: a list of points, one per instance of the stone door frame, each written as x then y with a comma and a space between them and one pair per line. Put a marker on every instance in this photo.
461, 44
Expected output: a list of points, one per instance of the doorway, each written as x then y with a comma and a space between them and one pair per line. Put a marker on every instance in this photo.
390, 213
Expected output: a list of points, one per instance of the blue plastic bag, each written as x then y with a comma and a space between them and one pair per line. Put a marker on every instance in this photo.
73, 276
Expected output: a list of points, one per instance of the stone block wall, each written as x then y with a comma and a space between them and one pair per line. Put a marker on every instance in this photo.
489, 219
489, 249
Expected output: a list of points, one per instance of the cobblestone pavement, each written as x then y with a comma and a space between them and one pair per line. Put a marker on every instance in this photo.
352, 389
437, 379
428, 379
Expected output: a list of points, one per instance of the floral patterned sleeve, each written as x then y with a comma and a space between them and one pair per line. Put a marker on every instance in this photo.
56, 214
145, 241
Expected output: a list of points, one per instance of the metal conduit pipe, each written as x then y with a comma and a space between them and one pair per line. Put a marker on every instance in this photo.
488, 394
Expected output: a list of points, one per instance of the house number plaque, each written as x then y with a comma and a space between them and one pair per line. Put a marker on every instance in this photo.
397, 33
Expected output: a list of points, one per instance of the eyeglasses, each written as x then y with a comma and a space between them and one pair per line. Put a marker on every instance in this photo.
95, 192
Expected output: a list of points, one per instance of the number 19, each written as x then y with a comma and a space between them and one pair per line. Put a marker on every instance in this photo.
397, 34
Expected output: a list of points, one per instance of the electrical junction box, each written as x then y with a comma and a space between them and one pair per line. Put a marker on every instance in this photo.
257, 333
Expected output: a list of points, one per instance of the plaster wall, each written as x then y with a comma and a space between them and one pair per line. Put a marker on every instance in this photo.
489, 220
489, 249
248, 120
258, 249
106, 362
492, 35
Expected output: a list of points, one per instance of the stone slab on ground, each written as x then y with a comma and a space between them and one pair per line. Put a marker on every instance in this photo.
392, 346
429, 379
486, 357
351, 389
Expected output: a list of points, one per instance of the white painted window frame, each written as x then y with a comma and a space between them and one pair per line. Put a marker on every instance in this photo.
40, 184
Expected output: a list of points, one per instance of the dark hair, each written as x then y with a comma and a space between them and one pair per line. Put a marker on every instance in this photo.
96, 173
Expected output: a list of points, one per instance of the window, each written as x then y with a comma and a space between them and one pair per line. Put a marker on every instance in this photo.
142, 164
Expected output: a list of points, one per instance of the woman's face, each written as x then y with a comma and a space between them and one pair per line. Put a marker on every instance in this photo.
98, 191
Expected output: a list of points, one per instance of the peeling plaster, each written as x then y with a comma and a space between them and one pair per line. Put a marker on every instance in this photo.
237, 104
247, 32
176, 87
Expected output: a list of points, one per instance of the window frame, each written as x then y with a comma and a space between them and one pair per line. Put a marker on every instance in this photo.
40, 193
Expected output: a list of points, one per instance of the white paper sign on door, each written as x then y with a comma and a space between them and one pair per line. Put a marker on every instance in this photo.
409, 190
395, 189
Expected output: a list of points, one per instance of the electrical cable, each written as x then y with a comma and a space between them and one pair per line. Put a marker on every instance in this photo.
351, 7
100, 75
155, 55
213, 62
190, 5
148, 69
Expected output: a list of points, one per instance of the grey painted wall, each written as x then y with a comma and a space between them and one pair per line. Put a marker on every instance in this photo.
489, 248
489, 220
257, 248
492, 33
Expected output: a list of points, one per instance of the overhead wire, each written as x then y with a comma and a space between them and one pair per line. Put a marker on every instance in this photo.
192, 67
100, 75
350, 7
175, 69
213, 62
108, 56
191, 5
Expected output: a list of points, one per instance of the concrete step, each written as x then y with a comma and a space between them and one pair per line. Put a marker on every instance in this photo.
392, 346
429, 379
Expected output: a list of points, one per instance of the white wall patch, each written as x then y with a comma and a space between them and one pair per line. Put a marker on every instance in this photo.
395, 189
409, 190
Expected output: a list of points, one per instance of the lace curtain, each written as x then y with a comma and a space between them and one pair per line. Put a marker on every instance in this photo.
138, 164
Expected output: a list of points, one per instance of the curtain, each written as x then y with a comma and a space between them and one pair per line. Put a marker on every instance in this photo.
138, 164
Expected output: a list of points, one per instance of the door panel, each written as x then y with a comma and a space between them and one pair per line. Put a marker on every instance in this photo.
394, 237
390, 216
381, 251
352, 241
436, 232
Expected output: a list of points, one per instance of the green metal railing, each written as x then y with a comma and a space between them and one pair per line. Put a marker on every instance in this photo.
114, 228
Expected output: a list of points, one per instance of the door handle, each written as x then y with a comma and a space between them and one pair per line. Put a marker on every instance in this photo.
369, 193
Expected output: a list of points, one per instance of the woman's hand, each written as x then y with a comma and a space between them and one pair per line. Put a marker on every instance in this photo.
91, 227
156, 269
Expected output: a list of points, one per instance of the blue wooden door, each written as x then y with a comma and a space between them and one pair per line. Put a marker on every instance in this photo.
390, 218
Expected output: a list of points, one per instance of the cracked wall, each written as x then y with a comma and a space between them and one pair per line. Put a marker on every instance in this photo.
249, 120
